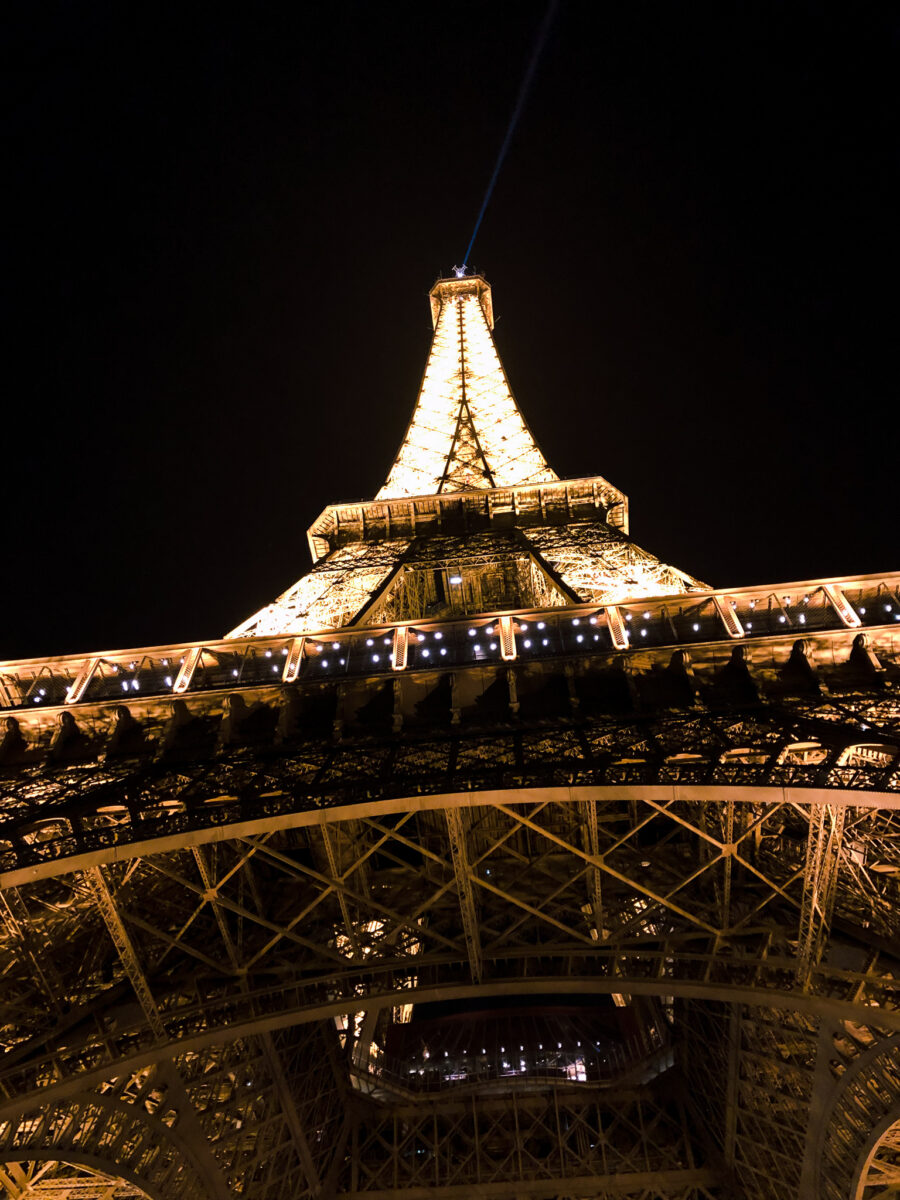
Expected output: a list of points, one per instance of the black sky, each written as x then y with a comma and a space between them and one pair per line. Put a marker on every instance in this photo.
224, 229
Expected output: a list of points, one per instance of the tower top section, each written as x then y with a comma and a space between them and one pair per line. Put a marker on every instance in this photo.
466, 430
462, 285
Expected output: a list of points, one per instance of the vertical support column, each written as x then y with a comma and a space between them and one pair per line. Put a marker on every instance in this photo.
620, 999
334, 868
732, 1090
821, 1095
596, 893
729, 852
476, 1140
462, 872
823, 850
397, 714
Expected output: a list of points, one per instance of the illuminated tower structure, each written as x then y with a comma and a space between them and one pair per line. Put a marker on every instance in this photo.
494, 858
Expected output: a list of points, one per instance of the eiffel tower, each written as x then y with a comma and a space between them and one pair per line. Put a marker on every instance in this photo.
495, 858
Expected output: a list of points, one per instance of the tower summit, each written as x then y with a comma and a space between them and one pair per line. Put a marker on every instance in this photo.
466, 431
469, 498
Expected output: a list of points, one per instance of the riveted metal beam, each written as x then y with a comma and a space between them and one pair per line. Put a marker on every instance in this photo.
464, 890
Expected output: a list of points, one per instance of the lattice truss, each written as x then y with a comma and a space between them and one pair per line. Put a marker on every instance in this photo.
332, 594
881, 1174
123, 1124
494, 570
196, 965
532, 1145
62, 1181
466, 431
395, 580
760, 1072
602, 566
248, 1117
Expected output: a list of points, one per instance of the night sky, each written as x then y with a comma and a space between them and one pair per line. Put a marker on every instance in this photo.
224, 230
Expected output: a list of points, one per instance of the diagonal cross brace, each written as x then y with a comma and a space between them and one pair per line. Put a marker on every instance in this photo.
823, 853
462, 871
125, 949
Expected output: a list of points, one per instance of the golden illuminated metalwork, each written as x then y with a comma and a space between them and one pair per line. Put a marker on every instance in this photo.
466, 431
467, 437
635, 835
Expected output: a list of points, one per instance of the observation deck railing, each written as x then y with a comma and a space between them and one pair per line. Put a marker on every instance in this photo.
681, 621
520, 1067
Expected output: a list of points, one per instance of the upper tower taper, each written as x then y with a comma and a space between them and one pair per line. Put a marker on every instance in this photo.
466, 430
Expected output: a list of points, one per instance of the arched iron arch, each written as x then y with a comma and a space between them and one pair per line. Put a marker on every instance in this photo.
74, 1137
226, 820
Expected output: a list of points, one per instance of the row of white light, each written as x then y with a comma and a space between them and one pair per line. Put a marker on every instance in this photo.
507, 627
396, 645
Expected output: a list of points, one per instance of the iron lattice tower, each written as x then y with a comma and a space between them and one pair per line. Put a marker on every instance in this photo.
495, 858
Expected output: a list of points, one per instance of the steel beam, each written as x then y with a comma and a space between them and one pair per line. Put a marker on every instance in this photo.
732, 1087
677, 1182
334, 867
96, 881
464, 890
823, 853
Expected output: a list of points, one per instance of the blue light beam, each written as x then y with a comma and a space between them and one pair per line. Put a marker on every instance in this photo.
520, 104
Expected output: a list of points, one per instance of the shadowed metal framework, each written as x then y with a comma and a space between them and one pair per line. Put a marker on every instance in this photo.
494, 858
